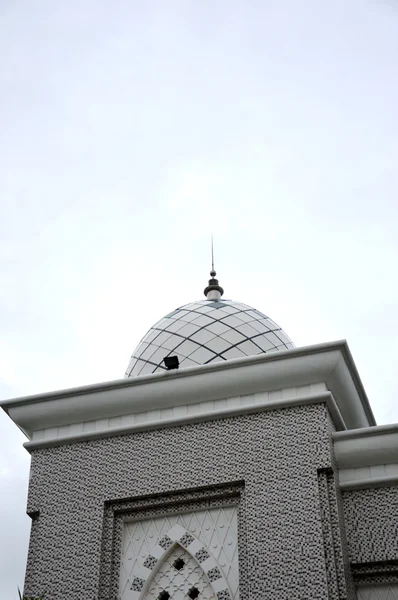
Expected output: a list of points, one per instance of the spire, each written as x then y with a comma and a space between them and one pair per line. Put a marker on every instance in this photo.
212, 255
213, 290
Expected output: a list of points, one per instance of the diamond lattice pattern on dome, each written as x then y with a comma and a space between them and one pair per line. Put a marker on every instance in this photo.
206, 332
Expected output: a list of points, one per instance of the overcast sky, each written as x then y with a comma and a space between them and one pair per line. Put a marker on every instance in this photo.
131, 130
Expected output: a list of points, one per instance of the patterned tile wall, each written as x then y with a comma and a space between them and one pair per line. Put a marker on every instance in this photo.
335, 501
277, 454
331, 535
371, 518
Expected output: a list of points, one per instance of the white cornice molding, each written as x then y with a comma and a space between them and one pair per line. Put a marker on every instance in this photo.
325, 397
365, 447
329, 363
368, 483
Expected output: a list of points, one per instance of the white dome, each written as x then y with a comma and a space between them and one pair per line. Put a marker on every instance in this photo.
207, 331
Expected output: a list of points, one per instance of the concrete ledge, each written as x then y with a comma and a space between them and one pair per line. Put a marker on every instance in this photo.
325, 397
368, 446
330, 363
371, 482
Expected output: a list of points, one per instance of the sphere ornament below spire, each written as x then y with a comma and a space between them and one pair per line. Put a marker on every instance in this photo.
213, 291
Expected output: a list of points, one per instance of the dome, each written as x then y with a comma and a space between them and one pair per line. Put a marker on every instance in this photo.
206, 332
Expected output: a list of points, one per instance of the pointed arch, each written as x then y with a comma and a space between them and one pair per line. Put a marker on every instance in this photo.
191, 551
178, 576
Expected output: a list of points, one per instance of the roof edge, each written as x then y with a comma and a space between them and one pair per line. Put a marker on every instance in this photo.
366, 447
116, 384
329, 363
283, 403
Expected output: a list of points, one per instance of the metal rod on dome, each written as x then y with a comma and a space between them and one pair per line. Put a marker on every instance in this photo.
213, 291
212, 253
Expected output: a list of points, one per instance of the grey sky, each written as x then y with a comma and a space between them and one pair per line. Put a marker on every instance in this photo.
130, 131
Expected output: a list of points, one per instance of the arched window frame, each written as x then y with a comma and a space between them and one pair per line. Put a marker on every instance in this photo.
179, 536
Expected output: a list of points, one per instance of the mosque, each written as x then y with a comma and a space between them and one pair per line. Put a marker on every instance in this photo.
227, 465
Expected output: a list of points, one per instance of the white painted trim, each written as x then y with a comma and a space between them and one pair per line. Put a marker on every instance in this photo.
371, 482
173, 374
367, 431
366, 447
179, 411
325, 397
329, 363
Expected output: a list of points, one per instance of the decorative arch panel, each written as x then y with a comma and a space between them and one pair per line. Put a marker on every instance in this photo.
177, 565
179, 577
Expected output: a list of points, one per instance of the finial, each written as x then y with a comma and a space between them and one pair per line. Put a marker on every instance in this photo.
212, 258
213, 290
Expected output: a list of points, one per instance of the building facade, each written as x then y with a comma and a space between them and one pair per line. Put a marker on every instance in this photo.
254, 471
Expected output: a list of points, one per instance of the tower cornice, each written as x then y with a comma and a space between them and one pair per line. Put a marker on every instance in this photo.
103, 408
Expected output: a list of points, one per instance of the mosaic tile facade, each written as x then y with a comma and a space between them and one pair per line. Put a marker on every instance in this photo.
336, 576
337, 525
82, 492
371, 519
